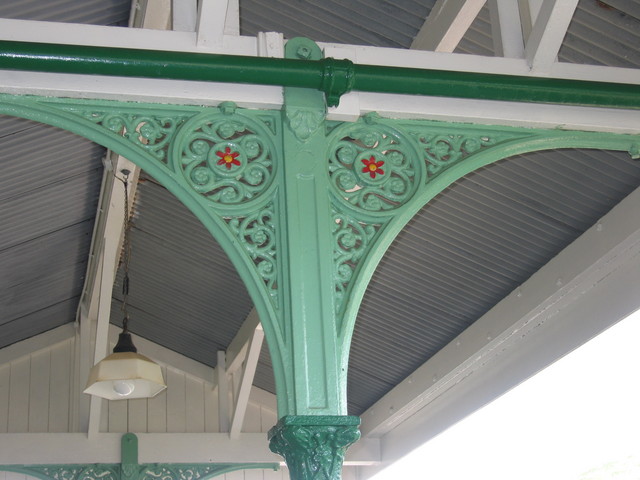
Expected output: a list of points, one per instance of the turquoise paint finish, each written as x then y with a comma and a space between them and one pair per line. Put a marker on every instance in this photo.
309, 316
130, 469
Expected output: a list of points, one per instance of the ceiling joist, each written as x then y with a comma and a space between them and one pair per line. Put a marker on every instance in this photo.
446, 24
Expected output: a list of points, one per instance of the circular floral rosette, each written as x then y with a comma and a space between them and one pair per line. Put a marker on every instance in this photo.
374, 167
227, 158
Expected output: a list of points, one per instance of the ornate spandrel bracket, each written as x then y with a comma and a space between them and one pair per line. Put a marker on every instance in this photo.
314, 446
130, 469
225, 157
378, 170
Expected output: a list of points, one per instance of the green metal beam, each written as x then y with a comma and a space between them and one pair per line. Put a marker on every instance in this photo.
331, 76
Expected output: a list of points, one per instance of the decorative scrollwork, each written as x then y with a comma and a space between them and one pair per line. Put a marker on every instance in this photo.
181, 472
442, 150
351, 239
77, 472
151, 133
227, 157
257, 233
373, 166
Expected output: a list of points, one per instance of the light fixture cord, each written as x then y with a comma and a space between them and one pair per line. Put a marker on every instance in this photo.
126, 252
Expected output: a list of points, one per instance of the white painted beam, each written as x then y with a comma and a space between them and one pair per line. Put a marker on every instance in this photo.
212, 15
529, 10
232, 18
71, 448
109, 228
548, 32
589, 286
506, 29
222, 380
185, 15
237, 349
248, 373
447, 23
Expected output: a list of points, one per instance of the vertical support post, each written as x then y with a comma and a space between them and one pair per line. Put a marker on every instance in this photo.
223, 392
129, 456
314, 431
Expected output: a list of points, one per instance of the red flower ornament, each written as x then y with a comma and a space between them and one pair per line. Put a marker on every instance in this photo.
372, 167
228, 158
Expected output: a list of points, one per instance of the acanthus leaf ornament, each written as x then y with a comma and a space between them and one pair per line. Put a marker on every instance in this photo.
314, 445
304, 122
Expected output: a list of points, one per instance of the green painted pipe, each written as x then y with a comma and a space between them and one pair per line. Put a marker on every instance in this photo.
333, 77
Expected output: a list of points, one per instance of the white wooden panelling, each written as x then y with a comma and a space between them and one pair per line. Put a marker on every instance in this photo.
176, 400
137, 415
5, 375
157, 411
194, 405
19, 395
39, 391
59, 389
118, 416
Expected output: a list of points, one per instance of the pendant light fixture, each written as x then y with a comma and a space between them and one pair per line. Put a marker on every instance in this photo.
125, 374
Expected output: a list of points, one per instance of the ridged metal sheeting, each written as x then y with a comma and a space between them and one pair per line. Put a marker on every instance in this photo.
96, 12
185, 294
49, 185
383, 23
468, 249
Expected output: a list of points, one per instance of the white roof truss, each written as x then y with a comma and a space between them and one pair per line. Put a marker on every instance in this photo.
446, 24
548, 32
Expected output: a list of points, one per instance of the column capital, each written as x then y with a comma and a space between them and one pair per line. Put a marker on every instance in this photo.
314, 445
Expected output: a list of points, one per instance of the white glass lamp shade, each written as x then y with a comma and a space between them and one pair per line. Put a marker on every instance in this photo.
125, 375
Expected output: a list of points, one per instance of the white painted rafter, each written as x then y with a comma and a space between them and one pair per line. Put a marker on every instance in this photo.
109, 228
222, 383
506, 29
589, 286
548, 32
248, 373
446, 24
237, 349
184, 15
216, 18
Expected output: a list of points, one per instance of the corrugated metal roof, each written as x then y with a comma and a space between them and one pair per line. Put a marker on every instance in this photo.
49, 185
382, 23
470, 247
184, 292
96, 12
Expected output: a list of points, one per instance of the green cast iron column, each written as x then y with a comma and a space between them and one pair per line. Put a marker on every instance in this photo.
315, 432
